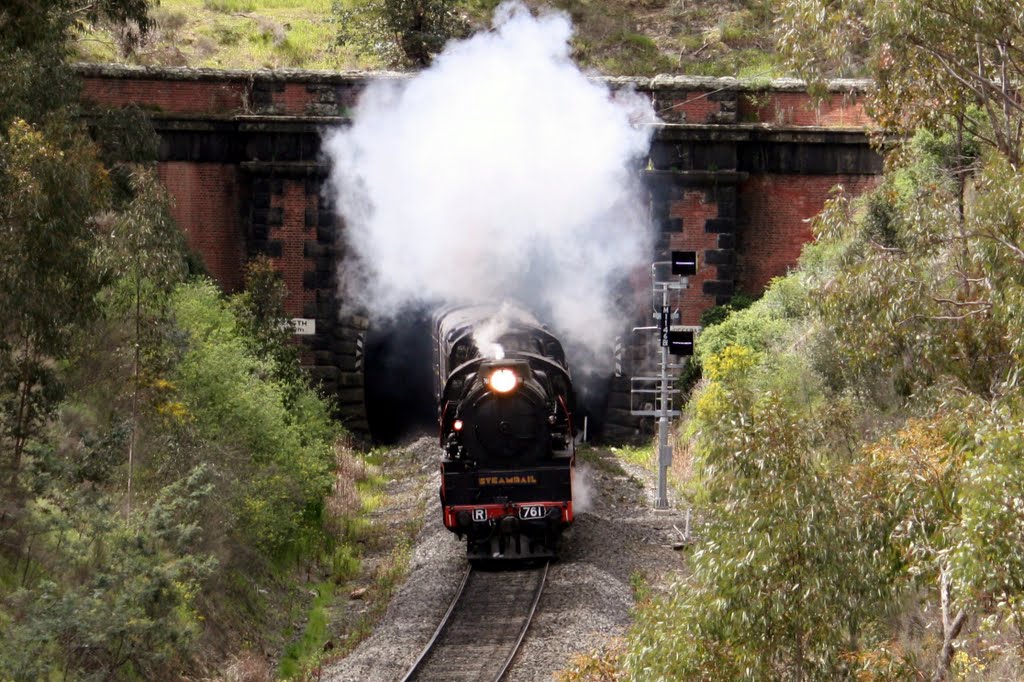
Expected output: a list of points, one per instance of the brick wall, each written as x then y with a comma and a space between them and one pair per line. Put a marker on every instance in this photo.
695, 208
167, 96
292, 234
695, 106
774, 219
206, 200
838, 109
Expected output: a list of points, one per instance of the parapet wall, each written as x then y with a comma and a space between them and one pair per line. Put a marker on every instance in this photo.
316, 94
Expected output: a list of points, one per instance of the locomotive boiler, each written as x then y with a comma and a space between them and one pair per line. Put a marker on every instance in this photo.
505, 406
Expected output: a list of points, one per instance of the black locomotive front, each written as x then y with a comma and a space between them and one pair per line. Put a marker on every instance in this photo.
506, 428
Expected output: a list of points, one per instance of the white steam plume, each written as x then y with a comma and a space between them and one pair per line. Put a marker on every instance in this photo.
501, 172
584, 489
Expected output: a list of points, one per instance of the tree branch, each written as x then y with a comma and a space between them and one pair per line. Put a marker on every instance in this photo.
950, 628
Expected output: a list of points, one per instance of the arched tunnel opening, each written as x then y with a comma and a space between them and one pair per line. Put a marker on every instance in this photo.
399, 378
399, 381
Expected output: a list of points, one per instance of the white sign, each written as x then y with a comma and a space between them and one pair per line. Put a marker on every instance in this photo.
300, 325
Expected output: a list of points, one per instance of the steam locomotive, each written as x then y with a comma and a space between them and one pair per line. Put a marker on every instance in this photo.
505, 406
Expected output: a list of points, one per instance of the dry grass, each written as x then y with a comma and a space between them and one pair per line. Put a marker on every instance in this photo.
249, 666
351, 470
595, 666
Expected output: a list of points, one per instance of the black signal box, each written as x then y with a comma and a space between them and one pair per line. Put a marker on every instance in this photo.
680, 343
684, 263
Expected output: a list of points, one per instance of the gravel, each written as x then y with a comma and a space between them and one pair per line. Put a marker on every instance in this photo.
589, 591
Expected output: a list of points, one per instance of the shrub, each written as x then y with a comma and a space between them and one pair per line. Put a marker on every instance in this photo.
279, 483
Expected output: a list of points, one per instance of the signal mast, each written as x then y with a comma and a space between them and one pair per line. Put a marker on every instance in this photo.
668, 280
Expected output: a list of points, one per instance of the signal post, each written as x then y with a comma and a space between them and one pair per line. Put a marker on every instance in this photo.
673, 343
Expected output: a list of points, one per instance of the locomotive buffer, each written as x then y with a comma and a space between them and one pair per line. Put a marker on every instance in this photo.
672, 343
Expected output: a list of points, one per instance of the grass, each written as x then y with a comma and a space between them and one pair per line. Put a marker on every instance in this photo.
371, 553
617, 37
642, 456
307, 650
243, 34
588, 455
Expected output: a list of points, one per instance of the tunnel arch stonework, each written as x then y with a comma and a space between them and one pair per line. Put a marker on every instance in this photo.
735, 171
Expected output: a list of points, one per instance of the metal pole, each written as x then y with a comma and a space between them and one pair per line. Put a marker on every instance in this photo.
664, 449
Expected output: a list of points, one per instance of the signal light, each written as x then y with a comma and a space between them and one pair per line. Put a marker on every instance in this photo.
457, 425
503, 380
680, 343
684, 263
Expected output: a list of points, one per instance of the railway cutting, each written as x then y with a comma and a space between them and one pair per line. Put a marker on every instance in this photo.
480, 634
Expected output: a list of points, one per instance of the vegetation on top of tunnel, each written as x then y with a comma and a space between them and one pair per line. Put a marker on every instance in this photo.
635, 37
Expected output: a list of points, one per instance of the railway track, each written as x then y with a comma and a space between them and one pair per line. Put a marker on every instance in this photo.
483, 628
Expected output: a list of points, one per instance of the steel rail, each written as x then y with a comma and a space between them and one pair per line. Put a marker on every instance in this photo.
431, 648
526, 623
415, 668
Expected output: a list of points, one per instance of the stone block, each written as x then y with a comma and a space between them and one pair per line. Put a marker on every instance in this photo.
673, 225
719, 288
275, 216
719, 225
346, 347
350, 379
719, 257
325, 233
726, 272
351, 395
315, 279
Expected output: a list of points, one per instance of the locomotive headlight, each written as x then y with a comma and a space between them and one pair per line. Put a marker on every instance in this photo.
503, 380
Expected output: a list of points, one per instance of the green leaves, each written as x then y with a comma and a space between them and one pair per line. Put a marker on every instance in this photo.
277, 436
932, 62
404, 33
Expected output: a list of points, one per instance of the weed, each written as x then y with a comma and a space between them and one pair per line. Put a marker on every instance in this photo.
226, 35
306, 651
168, 20
344, 563
641, 456
595, 458
640, 587
230, 6
599, 665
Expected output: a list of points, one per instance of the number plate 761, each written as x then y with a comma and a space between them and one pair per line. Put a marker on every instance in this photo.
532, 512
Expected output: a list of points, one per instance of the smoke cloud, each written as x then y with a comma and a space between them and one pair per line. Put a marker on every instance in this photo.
584, 489
501, 172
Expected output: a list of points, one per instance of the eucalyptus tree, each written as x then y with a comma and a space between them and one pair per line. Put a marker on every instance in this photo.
933, 61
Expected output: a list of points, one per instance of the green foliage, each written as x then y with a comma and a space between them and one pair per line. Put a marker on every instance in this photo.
117, 599
989, 557
233, 402
34, 39
856, 440
260, 311
54, 190
788, 575
932, 62
309, 647
404, 33
754, 328
717, 314
106, 354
